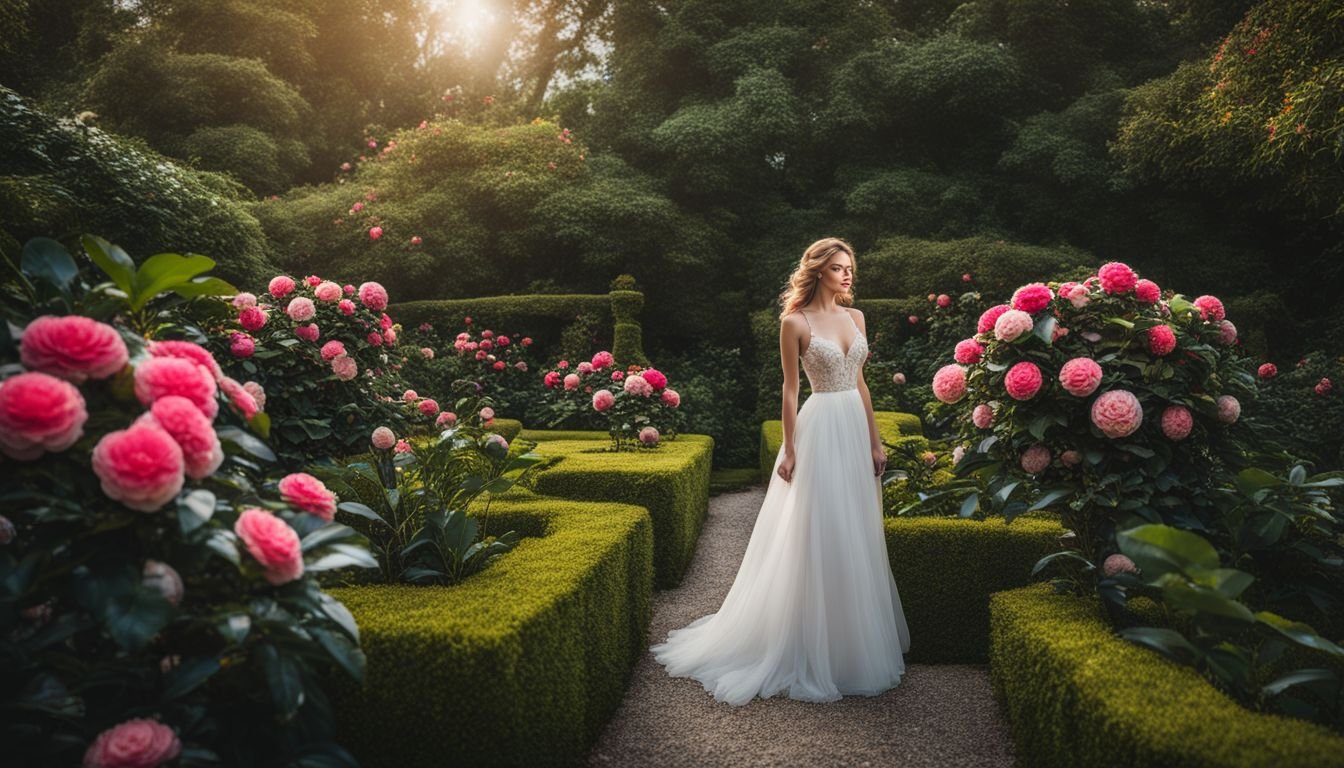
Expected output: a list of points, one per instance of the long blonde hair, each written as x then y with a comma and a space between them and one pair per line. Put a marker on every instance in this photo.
805, 279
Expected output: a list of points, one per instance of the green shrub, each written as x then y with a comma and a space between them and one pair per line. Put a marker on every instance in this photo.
1074, 694
522, 664
890, 427
947, 568
672, 482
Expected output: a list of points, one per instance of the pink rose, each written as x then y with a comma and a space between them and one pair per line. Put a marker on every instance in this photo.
1077, 295
966, 278
257, 392
308, 494
281, 286
410, 396
375, 233
383, 438
1227, 333
385, 322
603, 399
133, 744
1229, 409
390, 336
944, 300
373, 295
990, 316
427, 353
1117, 278
74, 348
648, 436
308, 332
487, 334
39, 413
375, 338
349, 289
1322, 387
415, 240
1117, 564
1147, 292
252, 318
572, 381
551, 380
244, 299
1210, 309
239, 398
914, 319
637, 385
1023, 381
191, 430
527, 342
327, 291
670, 398
933, 297
332, 350
429, 406
968, 352
164, 579
1161, 340
949, 383
301, 309
1071, 458
617, 375
1035, 459
344, 367
140, 466
241, 345
346, 306
1012, 324
1177, 422
585, 367
446, 419
357, 207
162, 376
498, 441
1032, 298
1080, 376
1268, 371
1117, 413
601, 360
499, 365
188, 351
487, 413
562, 365
656, 378
502, 341
272, 543
898, 378
982, 416
520, 365
312, 281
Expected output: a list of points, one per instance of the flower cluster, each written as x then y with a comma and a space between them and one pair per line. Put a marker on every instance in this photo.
635, 404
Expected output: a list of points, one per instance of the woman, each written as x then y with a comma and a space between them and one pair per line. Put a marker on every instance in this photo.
814, 609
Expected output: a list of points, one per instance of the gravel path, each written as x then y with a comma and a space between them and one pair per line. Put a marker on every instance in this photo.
939, 715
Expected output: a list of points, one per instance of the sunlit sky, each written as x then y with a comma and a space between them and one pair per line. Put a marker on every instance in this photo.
464, 22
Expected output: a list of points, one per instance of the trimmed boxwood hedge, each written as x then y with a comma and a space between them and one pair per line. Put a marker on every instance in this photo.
890, 425
521, 664
1076, 694
542, 435
672, 482
947, 568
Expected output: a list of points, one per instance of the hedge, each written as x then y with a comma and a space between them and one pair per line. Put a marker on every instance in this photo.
890, 426
672, 482
1076, 694
543, 435
947, 568
521, 664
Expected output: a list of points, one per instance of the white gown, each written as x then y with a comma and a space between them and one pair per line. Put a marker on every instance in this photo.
814, 609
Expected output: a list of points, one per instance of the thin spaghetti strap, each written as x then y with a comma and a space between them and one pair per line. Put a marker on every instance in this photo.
809, 323
851, 321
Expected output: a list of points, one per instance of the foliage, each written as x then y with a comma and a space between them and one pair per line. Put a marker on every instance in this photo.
1301, 398
635, 406
499, 364
123, 601
715, 401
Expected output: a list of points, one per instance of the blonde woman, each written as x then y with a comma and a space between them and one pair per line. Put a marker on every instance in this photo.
814, 610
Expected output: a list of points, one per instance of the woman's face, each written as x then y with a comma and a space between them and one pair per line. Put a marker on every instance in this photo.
838, 273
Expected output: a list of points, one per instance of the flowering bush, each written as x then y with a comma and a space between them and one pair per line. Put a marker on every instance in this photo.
595, 393
501, 364
164, 603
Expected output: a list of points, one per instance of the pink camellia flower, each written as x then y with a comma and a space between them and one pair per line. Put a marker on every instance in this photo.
498, 365
191, 430
301, 309
281, 286
346, 306
308, 494
562, 365
140, 466
272, 543
345, 367
1071, 458
603, 399
1323, 387
327, 291
585, 367
648, 436
1147, 291
487, 413
949, 383
1035, 459
188, 351
968, 352
1077, 295
348, 289
403, 446
164, 579
244, 299
1012, 324
503, 341
415, 240
312, 281
914, 319
427, 353
527, 342
374, 338
390, 336
1177, 421
966, 278
257, 392
933, 297
373, 295
1080, 376
637, 385
1210, 309
1229, 409
239, 398
446, 419
1117, 564
670, 398
1058, 333
385, 322
655, 377
308, 332
1032, 298
617, 375
551, 380
375, 233
1117, 278
429, 406
944, 300
1023, 381
332, 350
487, 334
39, 413
241, 345
601, 360
74, 348
410, 396
982, 416
498, 442
898, 378
162, 376
520, 365
357, 207
252, 318
1161, 340
990, 316
1117, 413
383, 438
135, 743
1227, 333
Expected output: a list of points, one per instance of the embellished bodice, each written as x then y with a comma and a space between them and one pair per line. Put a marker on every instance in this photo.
830, 368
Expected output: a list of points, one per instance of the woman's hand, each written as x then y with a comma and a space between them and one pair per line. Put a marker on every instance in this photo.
786, 467
879, 461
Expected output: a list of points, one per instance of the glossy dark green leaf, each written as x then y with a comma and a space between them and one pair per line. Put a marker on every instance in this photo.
134, 619
188, 676
284, 678
112, 260
47, 260
342, 651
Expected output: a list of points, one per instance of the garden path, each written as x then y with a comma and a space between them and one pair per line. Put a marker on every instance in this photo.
940, 715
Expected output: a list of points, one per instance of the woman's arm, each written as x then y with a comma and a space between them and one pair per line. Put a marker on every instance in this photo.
874, 438
789, 335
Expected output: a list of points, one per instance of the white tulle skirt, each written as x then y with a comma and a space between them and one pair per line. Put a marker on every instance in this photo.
814, 609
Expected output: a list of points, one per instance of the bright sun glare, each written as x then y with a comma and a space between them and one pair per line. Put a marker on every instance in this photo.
464, 21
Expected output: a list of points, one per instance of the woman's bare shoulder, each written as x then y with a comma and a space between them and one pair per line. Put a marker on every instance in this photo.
793, 321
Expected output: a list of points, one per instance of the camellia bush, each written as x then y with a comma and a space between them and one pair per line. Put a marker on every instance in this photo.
1121, 407
157, 598
634, 406
498, 363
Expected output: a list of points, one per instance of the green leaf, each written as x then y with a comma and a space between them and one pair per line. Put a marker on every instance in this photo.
195, 509
327, 534
1253, 479
969, 505
1050, 558
1050, 497
342, 651
1159, 549
1182, 595
222, 543
1045, 329
1300, 677
343, 556
134, 619
188, 676
248, 443
1298, 475
47, 260
1167, 642
355, 508
1300, 633
284, 678
165, 272
114, 262
337, 612
205, 286
1120, 321
261, 424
